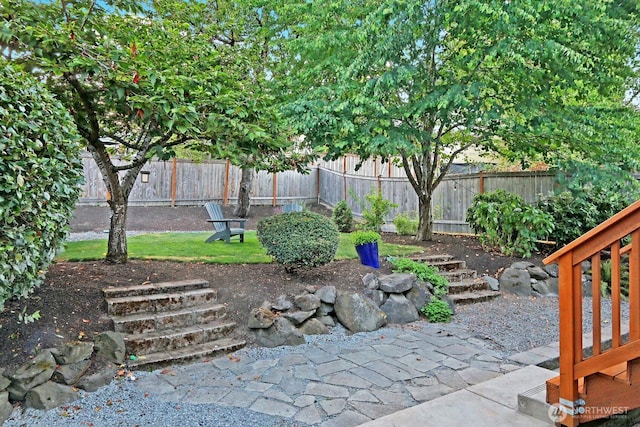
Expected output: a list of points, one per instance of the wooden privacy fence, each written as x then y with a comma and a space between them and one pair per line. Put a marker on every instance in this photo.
188, 183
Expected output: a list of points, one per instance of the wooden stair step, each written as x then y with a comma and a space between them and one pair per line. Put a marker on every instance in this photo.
154, 288
473, 297
155, 303
173, 339
149, 322
467, 285
617, 372
187, 354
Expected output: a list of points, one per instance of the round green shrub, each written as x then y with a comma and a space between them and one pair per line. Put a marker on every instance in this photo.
405, 225
437, 311
343, 216
40, 173
299, 239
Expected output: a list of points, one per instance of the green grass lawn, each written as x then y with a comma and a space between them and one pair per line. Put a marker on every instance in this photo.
190, 247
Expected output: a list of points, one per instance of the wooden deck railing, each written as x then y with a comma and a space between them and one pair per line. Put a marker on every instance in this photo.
595, 246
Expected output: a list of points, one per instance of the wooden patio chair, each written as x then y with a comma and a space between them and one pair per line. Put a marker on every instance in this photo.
222, 225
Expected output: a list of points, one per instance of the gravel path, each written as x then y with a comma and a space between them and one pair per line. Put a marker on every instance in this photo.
517, 324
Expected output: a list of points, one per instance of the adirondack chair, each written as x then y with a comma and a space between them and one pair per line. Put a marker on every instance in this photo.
292, 207
223, 226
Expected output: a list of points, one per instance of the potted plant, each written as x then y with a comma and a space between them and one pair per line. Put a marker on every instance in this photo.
366, 243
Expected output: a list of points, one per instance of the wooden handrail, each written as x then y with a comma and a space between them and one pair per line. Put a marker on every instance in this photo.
573, 364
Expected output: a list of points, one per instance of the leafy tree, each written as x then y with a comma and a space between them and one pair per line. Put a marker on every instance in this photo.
427, 80
40, 173
140, 78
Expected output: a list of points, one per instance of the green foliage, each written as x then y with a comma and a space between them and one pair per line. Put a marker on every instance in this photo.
605, 277
426, 80
504, 221
343, 216
375, 214
587, 195
146, 77
362, 237
424, 272
299, 239
406, 225
437, 311
40, 173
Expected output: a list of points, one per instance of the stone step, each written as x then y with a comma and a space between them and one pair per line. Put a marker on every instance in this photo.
474, 297
154, 288
187, 354
150, 322
453, 264
173, 339
467, 285
459, 275
156, 303
429, 259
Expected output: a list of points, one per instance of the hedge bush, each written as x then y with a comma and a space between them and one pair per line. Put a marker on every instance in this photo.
299, 239
504, 221
343, 217
40, 173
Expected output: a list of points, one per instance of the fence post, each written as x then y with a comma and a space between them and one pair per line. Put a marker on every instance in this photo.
379, 185
174, 183
225, 195
318, 184
344, 177
274, 202
481, 183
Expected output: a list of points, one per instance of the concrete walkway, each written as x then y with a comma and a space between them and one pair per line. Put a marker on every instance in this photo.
353, 381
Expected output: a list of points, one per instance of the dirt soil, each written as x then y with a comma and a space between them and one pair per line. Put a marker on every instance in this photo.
72, 307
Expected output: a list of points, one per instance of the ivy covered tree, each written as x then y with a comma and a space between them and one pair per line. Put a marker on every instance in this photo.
427, 80
140, 78
40, 173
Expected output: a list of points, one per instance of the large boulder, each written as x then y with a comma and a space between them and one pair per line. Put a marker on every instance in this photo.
109, 346
399, 309
492, 282
370, 281
397, 283
419, 295
358, 313
282, 332
50, 395
537, 273
327, 294
71, 373
5, 407
33, 373
313, 327
73, 352
298, 317
375, 295
261, 318
94, 381
282, 303
516, 281
307, 302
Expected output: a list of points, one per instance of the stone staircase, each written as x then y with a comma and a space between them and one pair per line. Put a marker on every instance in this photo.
170, 322
464, 285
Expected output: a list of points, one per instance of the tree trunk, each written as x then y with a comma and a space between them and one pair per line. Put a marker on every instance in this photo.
117, 245
425, 226
244, 193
